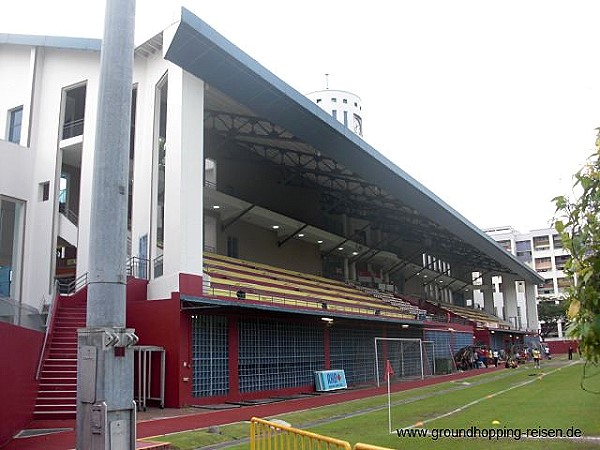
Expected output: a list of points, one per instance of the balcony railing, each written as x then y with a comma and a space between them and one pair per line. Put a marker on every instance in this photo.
70, 215
138, 268
72, 129
158, 266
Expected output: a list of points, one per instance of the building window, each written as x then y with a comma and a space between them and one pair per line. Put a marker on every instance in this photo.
543, 264
557, 241
318, 100
346, 119
345, 100
12, 213
506, 245
357, 125
333, 100
160, 152
546, 288
541, 243
560, 261
15, 119
45, 191
334, 113
74, 112
63, 189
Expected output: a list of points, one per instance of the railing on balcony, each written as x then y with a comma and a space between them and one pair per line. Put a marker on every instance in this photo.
72, 128
135, 267
138, 268
158, 266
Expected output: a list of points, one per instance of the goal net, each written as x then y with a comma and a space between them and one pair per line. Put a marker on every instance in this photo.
408, 358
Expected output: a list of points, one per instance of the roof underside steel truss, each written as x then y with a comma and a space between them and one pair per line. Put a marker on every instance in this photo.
343, 191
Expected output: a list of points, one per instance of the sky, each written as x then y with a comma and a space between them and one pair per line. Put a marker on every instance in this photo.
492, 105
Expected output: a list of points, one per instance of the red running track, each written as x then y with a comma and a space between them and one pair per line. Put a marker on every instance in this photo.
155, 427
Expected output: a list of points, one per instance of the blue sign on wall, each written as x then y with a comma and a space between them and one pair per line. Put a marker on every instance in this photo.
329, 380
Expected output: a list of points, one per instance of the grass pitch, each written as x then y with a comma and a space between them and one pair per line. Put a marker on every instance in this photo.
513, 408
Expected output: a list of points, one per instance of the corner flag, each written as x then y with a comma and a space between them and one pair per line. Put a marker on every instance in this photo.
389, 370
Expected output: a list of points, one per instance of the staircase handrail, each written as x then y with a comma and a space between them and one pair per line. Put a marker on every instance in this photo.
73, 286
137, 267
68, 213
49, 328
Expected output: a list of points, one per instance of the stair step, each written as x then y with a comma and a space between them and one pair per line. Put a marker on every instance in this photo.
66, 374
48, 401
54, 415
65, 361
58, 381
63, 354
57, 408
65, 338
57, 392
55, 395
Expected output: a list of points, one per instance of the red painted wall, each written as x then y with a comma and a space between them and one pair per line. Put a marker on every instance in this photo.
561, 346
19, 352
161, 323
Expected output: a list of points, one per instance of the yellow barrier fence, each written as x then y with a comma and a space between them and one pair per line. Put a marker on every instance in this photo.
266, 435
361, 446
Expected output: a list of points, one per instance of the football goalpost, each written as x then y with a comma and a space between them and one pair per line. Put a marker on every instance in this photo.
402, 358
408, 358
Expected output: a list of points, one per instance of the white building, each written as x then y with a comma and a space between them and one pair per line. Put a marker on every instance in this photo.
46, 157
183, 199
344, 106
542, 250
253, 216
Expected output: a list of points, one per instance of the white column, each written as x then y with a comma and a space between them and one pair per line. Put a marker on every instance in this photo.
184, 183
560, 329
488, 294
509, 294
531, 307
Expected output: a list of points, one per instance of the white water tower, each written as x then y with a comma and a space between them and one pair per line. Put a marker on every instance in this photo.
342, 105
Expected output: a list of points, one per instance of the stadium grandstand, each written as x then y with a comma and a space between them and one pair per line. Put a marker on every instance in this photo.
267, 240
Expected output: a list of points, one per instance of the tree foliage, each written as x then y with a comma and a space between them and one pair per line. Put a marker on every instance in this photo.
550, 313
578, 223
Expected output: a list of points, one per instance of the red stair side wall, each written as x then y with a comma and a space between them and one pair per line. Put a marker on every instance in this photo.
19, 355
161, 323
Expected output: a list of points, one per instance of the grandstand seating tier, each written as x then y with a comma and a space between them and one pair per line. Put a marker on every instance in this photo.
273, 285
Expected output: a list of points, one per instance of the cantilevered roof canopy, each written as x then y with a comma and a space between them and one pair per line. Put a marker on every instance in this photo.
201, 51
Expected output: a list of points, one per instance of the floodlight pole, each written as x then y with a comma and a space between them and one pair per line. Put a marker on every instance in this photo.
105, 406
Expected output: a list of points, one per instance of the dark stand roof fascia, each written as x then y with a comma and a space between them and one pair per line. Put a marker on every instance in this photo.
201, 51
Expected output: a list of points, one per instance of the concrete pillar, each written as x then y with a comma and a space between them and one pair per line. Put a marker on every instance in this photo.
105, 406
346, 269
468, 296
352, 271
488, 294
531, 307
509, 294
560, 329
